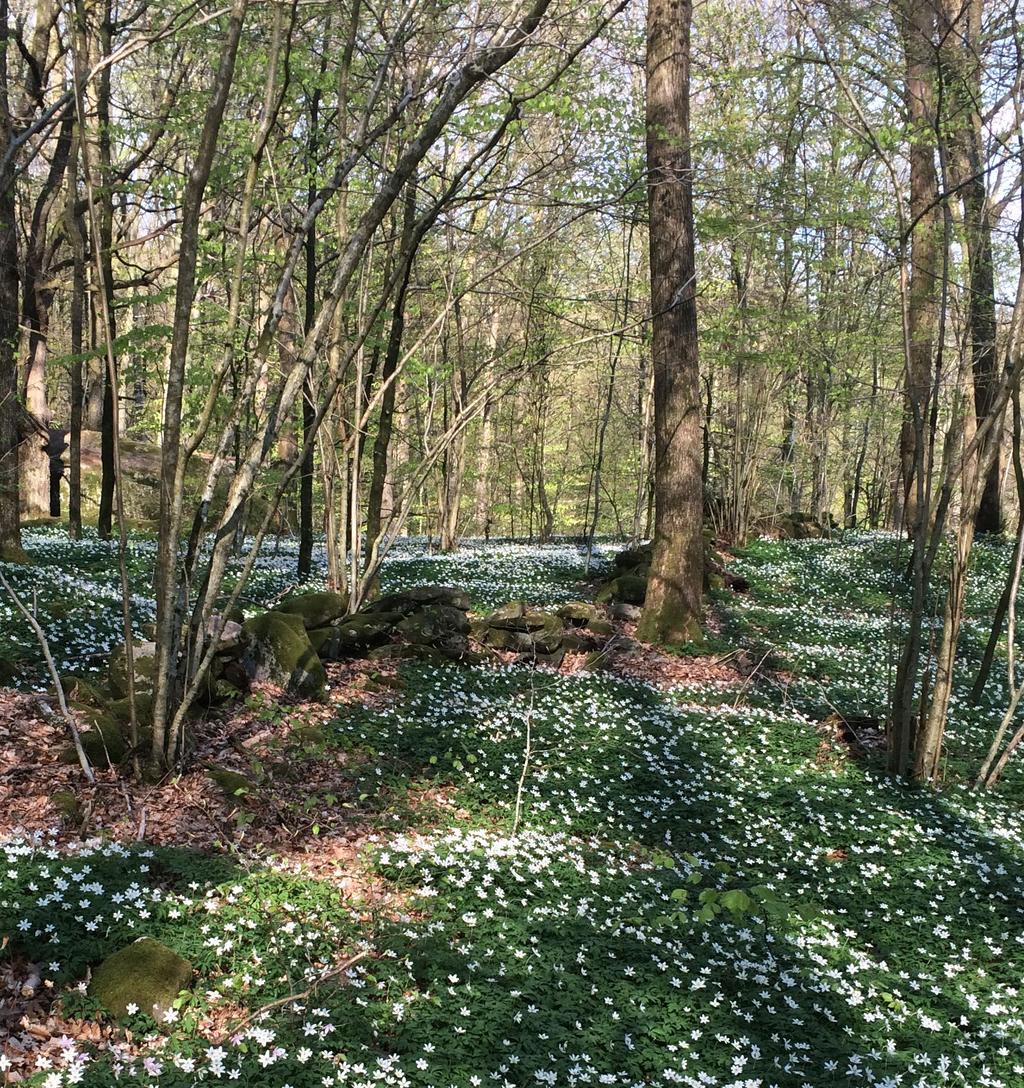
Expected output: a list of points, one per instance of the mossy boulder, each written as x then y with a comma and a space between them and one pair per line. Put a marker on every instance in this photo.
79, 692
520, 629
234, 784
317, 609
626, 588
799, 526
104, 742
517, 616
434, 625
602, 628
630, 559
67, 804
501, 638
144, 661
277, 649
147, 975
577, 613
354, 635
411, 600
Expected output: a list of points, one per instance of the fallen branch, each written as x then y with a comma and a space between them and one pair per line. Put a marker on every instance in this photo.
288, 999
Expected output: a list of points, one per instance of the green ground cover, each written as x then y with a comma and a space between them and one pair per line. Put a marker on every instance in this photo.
601, 883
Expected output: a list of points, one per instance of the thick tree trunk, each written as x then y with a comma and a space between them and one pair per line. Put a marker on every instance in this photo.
672, 611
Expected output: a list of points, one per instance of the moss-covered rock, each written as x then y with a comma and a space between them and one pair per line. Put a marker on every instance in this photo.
234, 784
79, 692
577, 613
104, 742
308, 736
67, 804
146, 975
626, 588
144, 661
354, 635
317, 609
277, 648
629, 559
602, 628
410, 600
516, 616
434, 625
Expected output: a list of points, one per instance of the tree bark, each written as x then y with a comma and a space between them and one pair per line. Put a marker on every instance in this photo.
672, 611
10, 529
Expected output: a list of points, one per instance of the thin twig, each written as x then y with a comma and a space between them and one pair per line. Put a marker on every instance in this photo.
76, 737
290, 998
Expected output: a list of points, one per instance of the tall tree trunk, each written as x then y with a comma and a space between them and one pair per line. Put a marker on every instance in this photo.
169, 605
672, 611
10, 529
104, 188
960, 53
76, 234
392, 353
918, 29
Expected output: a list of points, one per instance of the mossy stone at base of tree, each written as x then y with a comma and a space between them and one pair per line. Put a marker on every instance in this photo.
146, 974
103, 742
627, 588
630, 559
144, 662
317, 609
278, 650
79, 692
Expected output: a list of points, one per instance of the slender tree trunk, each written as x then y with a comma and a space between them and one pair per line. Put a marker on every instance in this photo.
10, 528
392, 354
672, 612
76, 234
104, 188
169, 605
918, 28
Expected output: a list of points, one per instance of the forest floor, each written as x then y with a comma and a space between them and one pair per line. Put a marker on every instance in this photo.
683, 869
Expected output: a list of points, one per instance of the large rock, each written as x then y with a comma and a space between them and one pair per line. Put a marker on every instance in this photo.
438, 627
411, 600
429, 625
278, 649
626, 589
146, 975
631, 560
516, 616
317, 609
520, 629
354, 635
144, 661
577, 613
